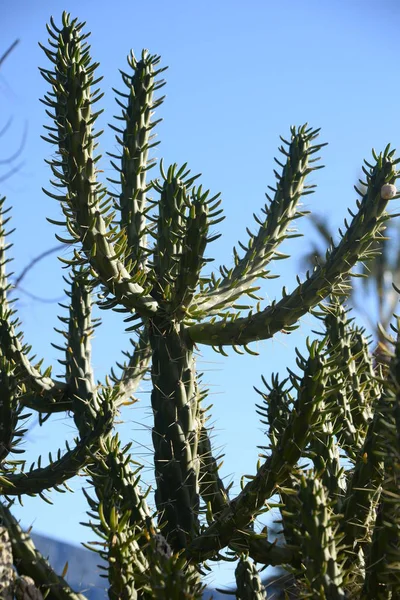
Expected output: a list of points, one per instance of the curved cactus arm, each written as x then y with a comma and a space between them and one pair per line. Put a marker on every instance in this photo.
122, 518
323, 572
88, 218
133, 370
357, 388
41, 391
273, 229
212, 489
364, 485
136, 139
79, 371
248, 581
354, 246
312, 389
28, 561
39, 479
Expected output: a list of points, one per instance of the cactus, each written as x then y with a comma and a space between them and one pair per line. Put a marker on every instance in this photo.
331, 462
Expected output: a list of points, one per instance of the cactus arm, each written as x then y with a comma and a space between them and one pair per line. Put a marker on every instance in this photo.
29, 561
38, 479
136, 139
87, 216
212, 489
353, 247
122, 516
323, 574
278, 465
41, 390
382, 577
273, 229
357, 388
248, 581
79, 372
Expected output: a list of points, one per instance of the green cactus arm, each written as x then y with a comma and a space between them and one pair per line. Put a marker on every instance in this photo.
122, 518
212, 489
248, 581
136, 139
354, 246
29, 561
363, 487
240, 511
357, 388
40, 390
10, 409
273, 229
323, 573
382, 575
39, 479
79, 371
87, 216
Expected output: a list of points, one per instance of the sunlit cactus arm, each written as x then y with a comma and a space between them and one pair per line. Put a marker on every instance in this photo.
280, 211
122, 518
79, 371
248, 581
354, 245
136, 139
57, 472
88, 218
323, 573
240, 511
357, 389
29, 561
364, 485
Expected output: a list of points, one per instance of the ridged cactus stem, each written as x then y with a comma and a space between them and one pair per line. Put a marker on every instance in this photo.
136, 140
323, 570
176, 431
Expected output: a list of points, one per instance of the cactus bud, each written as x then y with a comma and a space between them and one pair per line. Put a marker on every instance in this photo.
388, 191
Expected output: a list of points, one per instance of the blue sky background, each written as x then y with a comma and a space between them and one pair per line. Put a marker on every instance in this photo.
239, 75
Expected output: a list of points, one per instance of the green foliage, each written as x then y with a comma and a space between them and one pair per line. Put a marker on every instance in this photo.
332, 460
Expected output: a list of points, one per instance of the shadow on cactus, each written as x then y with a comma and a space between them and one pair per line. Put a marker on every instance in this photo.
333, 451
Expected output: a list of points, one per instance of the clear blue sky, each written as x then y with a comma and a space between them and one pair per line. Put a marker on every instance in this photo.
239, 75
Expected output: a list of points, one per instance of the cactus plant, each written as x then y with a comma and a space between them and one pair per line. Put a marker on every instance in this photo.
331, 464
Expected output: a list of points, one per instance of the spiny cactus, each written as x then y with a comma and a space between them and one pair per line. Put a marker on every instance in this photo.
331, 463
